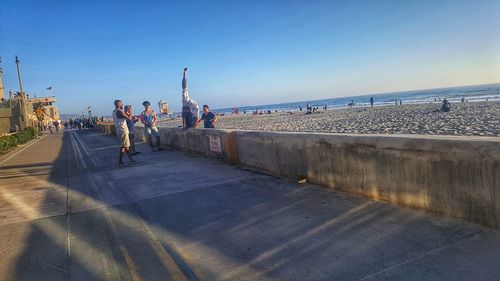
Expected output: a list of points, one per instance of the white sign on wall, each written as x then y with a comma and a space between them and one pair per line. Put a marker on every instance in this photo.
215, 144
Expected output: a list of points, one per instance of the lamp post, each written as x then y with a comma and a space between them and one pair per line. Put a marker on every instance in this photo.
19, 75
2, 93
22, 96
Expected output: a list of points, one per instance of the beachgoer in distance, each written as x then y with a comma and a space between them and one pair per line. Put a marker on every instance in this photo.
119, 118
371, 101
208, 117
190, 109
130, 125
309, 108
148, 118
446, 106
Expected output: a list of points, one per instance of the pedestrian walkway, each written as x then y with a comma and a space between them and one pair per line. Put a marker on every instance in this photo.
68, 212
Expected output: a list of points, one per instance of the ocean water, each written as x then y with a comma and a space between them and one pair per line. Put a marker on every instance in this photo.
455, 94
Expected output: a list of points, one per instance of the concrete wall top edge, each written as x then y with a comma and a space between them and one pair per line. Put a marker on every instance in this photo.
378, 136
460, 147
351, 137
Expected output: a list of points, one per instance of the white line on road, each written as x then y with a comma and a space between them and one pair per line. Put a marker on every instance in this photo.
79, 139
106, 147
21, 150
111, 146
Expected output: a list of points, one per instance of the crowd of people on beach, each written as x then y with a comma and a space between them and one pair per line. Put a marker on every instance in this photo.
124, 122
308, 108
445, 107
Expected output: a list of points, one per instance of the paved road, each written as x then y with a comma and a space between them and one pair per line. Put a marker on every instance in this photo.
67, 212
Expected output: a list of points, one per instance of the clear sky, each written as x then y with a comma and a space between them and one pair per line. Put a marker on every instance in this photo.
244, 52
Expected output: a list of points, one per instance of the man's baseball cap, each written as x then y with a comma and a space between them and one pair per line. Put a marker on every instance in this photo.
146, 103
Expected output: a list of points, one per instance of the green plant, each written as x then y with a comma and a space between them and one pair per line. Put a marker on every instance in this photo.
10, 141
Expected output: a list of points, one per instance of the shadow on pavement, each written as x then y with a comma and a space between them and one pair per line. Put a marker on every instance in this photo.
211, 221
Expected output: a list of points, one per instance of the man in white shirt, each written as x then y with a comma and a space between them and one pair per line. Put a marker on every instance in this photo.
190, 108
120, 120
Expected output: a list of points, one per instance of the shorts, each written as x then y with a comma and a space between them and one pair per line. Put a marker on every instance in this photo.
124, 140
152, 131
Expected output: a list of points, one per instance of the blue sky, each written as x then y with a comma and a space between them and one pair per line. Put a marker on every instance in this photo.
244, 52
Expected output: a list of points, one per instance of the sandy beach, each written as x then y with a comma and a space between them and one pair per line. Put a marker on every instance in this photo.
464, 119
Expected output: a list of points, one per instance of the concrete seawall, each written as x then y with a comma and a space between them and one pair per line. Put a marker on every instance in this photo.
454, 176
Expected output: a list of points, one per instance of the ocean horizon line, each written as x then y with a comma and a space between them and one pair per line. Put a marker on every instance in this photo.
343, 100
392, 93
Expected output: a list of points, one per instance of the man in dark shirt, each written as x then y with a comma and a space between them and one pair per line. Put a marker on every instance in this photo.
208, 117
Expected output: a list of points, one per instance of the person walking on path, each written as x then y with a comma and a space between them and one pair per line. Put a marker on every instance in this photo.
148, 118
208, 117
190, 108
130, 125
120, 120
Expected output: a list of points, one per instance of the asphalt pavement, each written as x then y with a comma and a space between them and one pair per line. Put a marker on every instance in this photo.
69, 212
